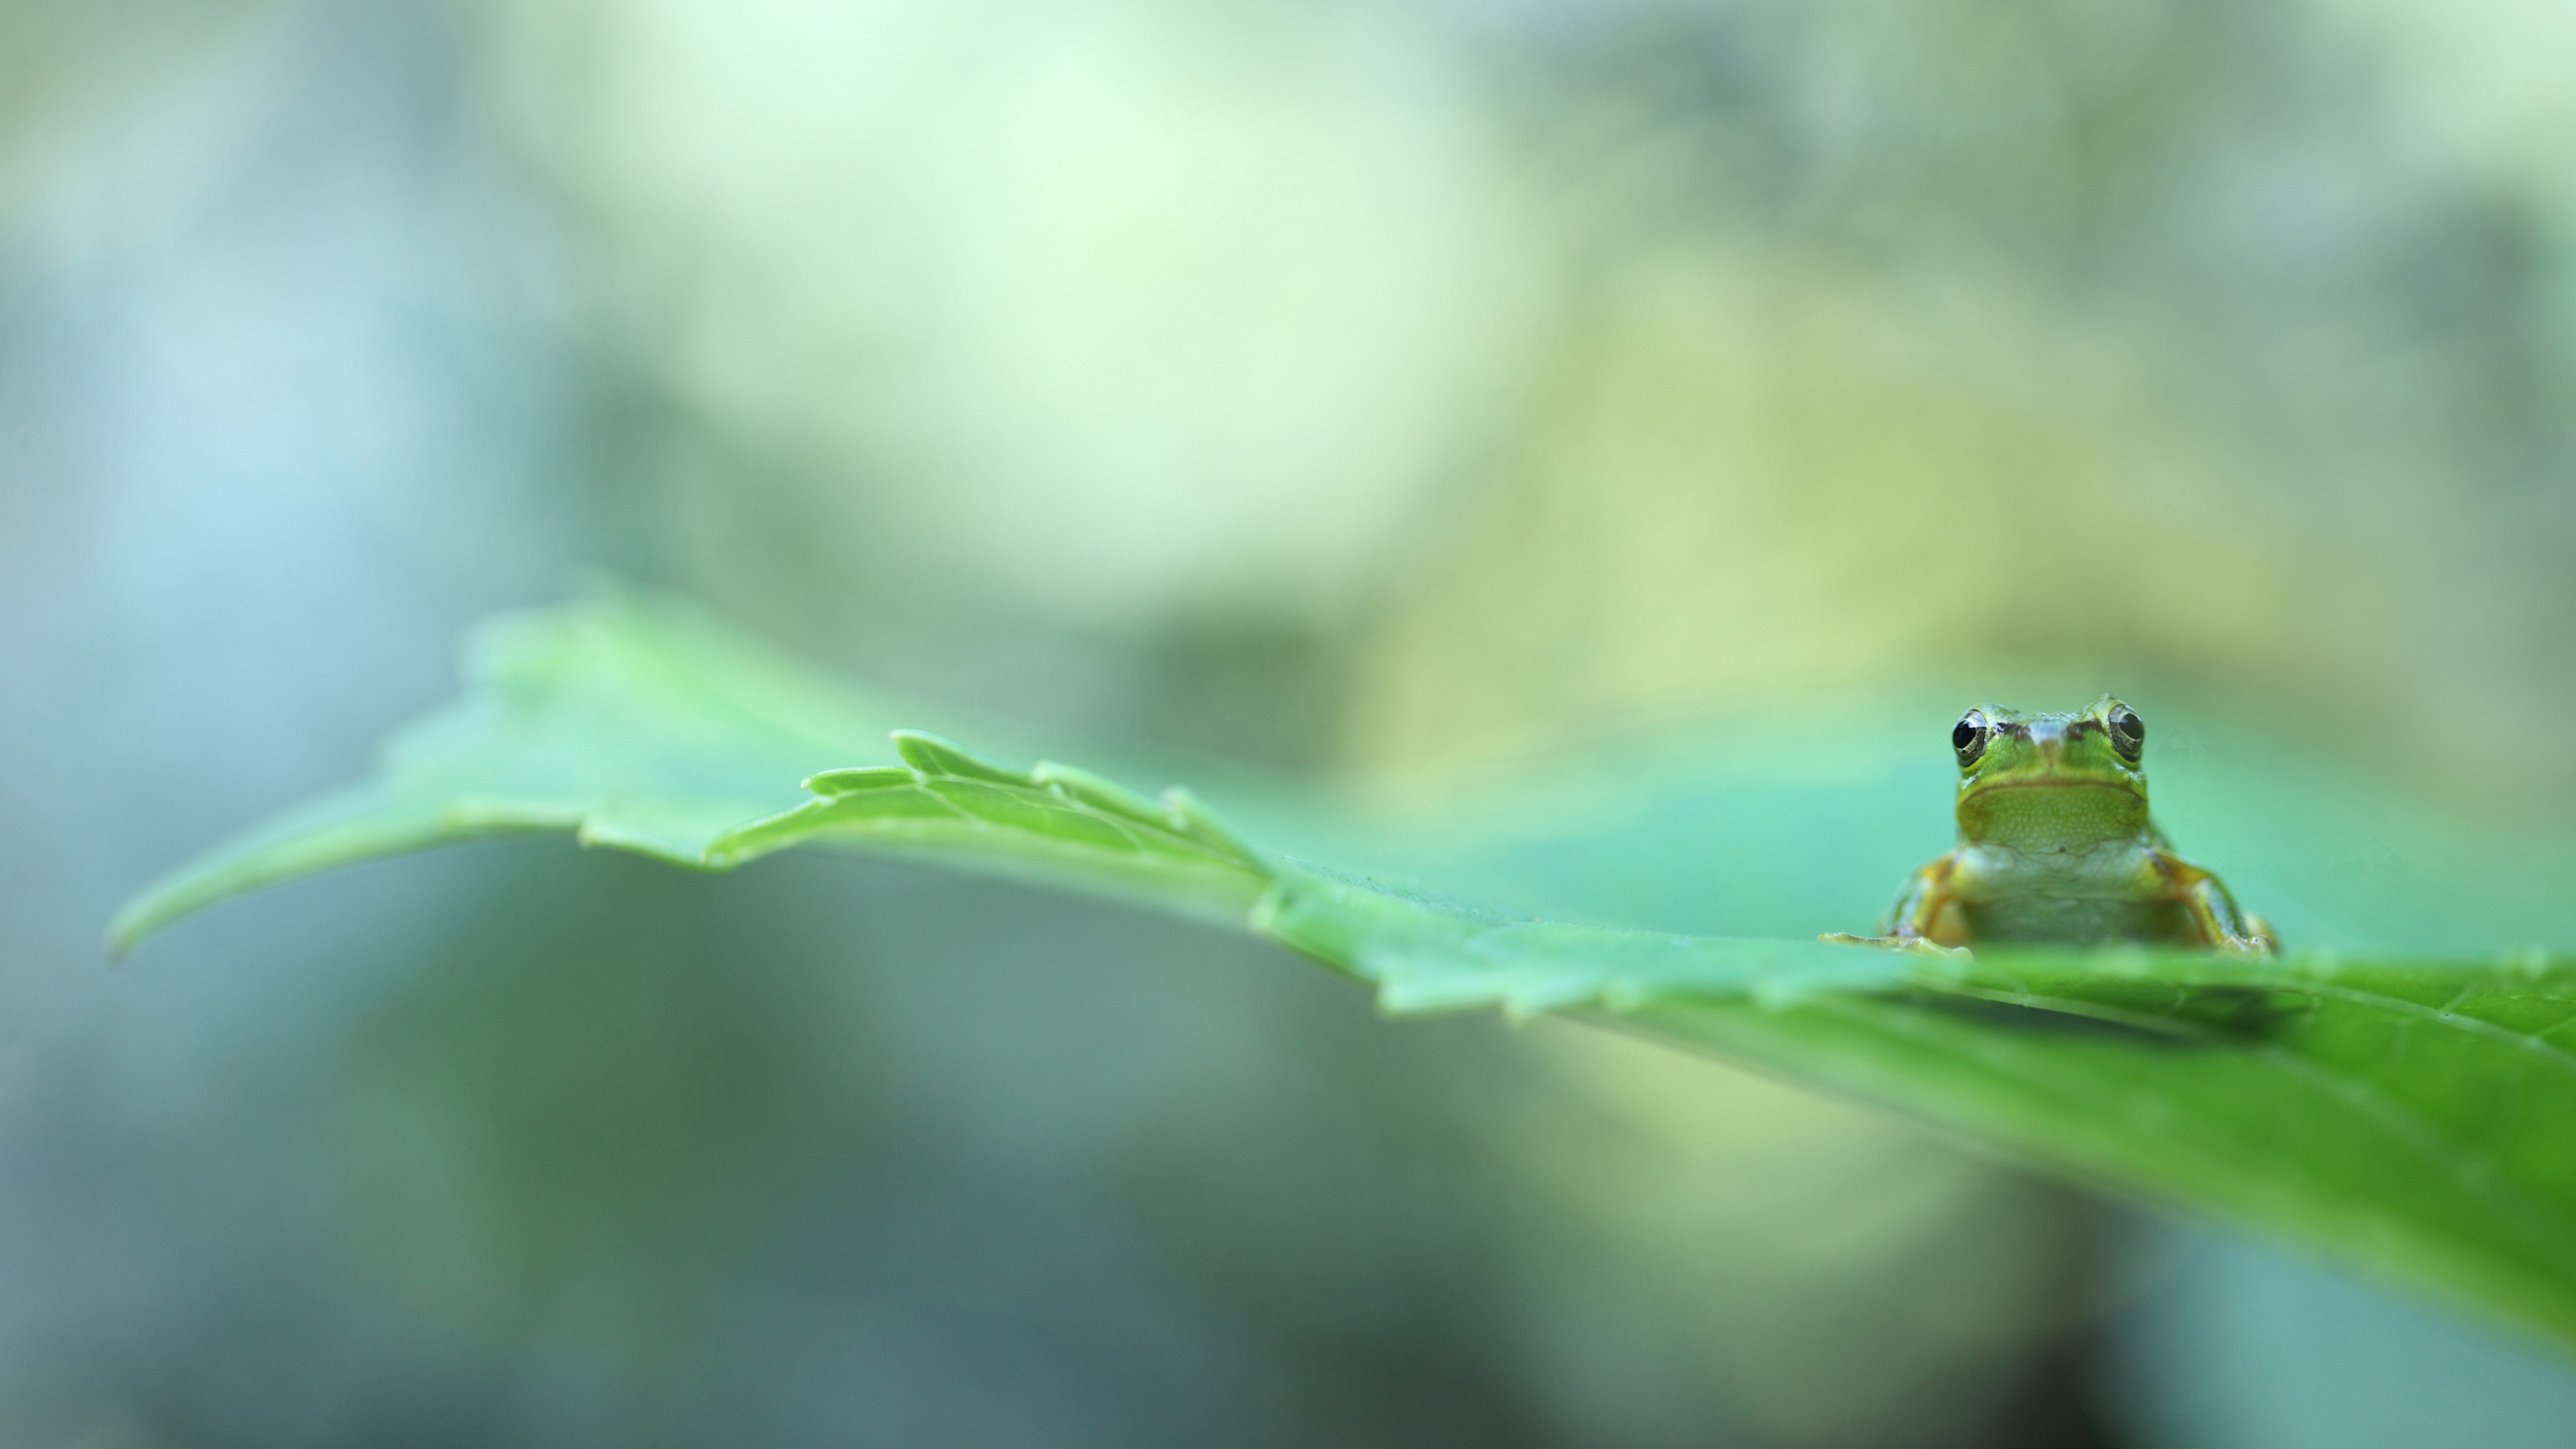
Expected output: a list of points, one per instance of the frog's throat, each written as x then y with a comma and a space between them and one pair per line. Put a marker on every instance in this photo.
2028, 814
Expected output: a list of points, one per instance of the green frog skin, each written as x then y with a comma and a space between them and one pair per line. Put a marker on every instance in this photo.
2055, 845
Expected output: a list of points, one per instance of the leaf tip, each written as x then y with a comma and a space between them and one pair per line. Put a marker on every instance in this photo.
932, 755
144, 916
126, 932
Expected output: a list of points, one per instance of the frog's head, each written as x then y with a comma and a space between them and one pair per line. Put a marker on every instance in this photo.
2051, 780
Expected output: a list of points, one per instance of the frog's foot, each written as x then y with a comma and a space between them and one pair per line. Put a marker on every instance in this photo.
2258, 941
1913, 945
2255, 942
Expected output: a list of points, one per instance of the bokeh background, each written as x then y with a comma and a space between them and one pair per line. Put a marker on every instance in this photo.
1586, 454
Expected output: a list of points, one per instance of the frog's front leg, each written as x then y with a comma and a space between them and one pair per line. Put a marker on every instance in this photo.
1926, 915
2213, 912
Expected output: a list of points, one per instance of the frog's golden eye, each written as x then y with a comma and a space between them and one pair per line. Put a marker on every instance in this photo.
1968, 737
2128, 732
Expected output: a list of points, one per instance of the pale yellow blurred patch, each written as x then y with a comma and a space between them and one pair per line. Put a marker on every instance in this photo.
1138, 304
1753, 477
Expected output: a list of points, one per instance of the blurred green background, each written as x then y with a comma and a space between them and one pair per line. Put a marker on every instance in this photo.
1583, 455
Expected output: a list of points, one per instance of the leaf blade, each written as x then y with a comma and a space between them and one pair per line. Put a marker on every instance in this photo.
2416, 1117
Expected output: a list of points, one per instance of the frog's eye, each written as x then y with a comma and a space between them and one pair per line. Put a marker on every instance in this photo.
2128, 732
1968, 737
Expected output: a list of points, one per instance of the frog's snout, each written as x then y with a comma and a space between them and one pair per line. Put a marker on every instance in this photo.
2048, 736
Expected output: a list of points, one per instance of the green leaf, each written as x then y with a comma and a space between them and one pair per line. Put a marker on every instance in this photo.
2418, 1117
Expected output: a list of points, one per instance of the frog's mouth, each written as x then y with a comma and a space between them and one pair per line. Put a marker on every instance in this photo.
1976, 790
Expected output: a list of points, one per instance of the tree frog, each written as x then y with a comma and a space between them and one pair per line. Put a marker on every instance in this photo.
2055, 845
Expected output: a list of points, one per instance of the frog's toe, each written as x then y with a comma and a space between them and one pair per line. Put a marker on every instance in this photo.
2259, 948
2260, 935
1913, 945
